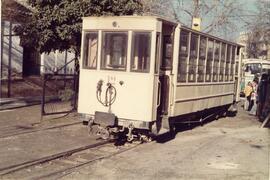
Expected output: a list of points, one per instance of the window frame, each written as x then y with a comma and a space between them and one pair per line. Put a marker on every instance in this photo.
232, 63
228, 61
211, 60
164, 65
222, 62
132, 50
103, 48
86, 50
157, 52
193, 57
216, 59
201, 58
185, 55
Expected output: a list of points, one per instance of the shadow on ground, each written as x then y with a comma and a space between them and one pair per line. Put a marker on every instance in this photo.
182, 127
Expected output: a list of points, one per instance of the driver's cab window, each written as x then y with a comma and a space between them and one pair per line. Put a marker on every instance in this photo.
114, 50
141, 46
90, 50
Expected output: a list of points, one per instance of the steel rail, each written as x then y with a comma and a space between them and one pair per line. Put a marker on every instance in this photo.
13, 168
71, 169
37, 130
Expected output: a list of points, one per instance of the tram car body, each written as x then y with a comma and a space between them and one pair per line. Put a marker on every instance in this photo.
147, 73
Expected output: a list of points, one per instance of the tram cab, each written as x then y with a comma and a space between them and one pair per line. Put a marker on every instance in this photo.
129, 74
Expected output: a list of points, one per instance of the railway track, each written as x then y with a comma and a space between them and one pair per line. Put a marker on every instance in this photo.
59, 165
19, 130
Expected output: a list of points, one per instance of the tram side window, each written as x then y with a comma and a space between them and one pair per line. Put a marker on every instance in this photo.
209, 60
157, 55
228, 58
140, 60
90, 50
114, 50
236, 67
236, 61
193, 58
222, 62
202, 55
183, 55
232, 64
216, 61
166, 62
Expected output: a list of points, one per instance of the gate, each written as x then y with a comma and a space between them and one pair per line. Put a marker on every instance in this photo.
59, 94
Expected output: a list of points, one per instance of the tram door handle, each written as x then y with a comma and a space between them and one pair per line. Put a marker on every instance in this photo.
172, 88
159, 93
172, 94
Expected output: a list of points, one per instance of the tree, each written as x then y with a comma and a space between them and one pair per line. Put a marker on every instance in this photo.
56, 24
258, 41
218, 16
253, 44
158, 7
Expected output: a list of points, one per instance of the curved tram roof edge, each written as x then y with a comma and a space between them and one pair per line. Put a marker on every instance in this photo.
175, 23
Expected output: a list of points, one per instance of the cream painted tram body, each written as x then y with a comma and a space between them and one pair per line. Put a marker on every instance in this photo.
147, 73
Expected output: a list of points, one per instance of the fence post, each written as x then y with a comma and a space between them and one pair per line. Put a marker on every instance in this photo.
75, 90
65, 70
1, 58
44, 77
9, 59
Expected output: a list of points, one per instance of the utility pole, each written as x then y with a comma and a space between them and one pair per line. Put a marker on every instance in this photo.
196, 13
196, 20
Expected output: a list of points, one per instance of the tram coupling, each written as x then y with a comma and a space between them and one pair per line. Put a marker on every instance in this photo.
105, 125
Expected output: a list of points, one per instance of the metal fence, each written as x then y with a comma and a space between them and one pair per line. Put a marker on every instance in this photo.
59, 94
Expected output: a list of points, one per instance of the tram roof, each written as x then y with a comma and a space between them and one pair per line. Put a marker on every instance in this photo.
174, 23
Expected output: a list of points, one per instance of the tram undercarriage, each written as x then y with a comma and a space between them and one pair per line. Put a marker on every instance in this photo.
107, 126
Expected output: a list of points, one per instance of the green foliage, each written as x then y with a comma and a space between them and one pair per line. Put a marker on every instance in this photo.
56, 24
66, 94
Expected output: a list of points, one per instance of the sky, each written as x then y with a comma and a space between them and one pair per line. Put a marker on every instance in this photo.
248, 8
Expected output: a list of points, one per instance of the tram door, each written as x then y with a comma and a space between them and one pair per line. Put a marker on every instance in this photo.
165, 69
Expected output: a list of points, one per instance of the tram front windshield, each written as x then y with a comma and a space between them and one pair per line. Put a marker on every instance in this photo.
114, 51
253, 68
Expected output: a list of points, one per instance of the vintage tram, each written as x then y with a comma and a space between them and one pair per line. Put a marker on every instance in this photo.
140, 75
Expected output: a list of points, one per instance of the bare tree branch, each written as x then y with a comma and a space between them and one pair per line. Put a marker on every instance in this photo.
258, 41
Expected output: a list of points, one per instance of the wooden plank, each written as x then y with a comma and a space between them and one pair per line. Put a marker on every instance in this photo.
266, 121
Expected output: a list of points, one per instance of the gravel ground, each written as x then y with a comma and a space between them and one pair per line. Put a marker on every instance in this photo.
228, 148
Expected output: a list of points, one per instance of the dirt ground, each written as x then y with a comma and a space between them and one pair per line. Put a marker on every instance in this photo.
228, 148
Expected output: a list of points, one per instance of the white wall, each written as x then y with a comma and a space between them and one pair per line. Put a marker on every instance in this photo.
15, 49
55, 60
49, 62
